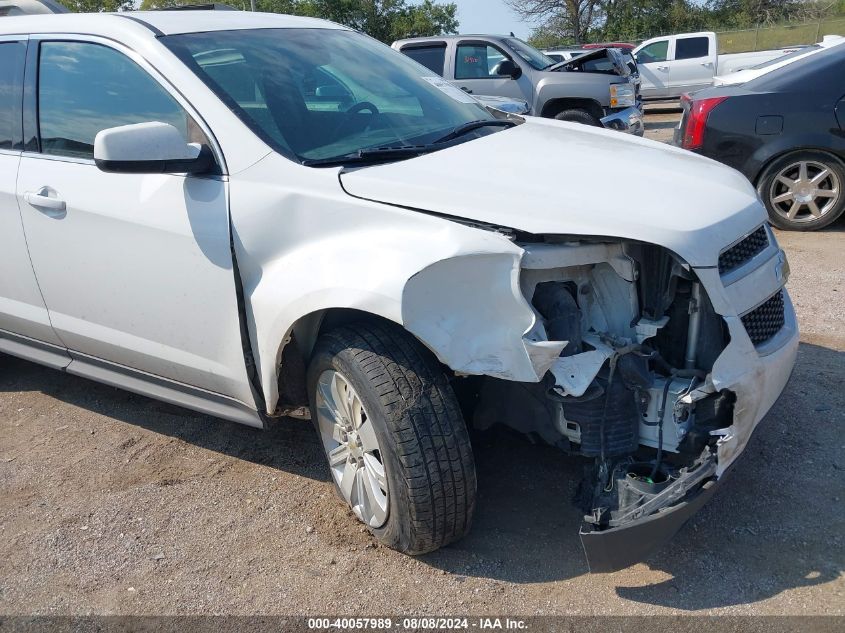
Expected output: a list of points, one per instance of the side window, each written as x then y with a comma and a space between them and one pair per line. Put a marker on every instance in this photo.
691, 47
432, 57
84, 88
654, 52
477, 61
11, 85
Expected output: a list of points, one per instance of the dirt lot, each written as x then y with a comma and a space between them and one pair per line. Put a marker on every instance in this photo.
113, 503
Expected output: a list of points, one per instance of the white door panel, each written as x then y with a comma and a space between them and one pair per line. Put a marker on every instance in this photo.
22, 309
137, 270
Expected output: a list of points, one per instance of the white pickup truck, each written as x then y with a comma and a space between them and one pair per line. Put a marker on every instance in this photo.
674, 64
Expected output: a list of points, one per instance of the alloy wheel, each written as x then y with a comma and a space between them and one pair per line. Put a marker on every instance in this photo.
804, 191
350, 442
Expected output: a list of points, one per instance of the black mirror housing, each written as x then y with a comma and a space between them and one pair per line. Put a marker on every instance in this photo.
509, 69
202, 164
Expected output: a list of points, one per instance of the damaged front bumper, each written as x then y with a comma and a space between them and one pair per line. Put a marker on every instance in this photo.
756, 377
629, 120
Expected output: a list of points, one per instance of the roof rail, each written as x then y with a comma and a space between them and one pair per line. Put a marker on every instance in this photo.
212, 6
30, 7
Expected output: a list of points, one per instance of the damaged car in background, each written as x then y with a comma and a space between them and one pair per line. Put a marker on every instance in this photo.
392, 267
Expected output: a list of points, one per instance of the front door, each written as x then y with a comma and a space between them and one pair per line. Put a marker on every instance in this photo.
22, 310
654, 69
135, 269
477, 71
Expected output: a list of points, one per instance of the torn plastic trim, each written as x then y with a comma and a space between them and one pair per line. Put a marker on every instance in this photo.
621, 547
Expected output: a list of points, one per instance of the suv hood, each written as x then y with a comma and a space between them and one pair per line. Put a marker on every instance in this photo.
551, 177
616, 60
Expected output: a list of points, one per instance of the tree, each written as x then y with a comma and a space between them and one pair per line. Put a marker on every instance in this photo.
569, 19
97, 6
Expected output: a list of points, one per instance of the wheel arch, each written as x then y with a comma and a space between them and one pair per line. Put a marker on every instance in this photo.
554, 107
767, 154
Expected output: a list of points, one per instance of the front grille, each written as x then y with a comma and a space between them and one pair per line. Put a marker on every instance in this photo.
743, 250
766, 320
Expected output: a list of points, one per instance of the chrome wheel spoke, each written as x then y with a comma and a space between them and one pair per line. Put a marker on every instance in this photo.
793, 210
340, 393
326, 401
373, 499
820, 177
786, 182
814, 209
802, 171
827, 193
367, 435
375, 469
784, 197
338, 455
347, 481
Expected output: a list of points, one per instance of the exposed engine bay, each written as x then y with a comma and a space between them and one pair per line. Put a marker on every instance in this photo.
627, 391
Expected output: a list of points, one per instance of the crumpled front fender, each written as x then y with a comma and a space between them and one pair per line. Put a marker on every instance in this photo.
471, 313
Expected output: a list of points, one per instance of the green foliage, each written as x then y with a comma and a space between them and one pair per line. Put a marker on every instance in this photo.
631, 20
97, 6
385, 20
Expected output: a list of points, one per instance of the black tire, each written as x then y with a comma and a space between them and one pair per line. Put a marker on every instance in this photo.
424, 442
768, 187
578, 116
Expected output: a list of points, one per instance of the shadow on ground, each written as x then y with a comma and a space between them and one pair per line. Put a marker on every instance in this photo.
777, 520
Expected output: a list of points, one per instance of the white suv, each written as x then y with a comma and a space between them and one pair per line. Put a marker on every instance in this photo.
258, 216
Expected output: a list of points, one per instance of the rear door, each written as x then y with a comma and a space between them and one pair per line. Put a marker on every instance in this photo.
653, 65
432, 55
477, 64
22, 309
693, 63
135, 269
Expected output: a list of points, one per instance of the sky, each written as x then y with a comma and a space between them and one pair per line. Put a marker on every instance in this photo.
490, 16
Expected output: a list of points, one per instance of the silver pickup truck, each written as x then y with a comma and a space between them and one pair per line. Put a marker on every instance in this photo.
598, 88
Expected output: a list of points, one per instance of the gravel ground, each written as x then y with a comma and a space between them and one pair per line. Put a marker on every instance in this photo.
111, 503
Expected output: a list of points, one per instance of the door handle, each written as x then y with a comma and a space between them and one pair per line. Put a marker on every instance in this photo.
42, 201
466, 90
664, 68
707, 64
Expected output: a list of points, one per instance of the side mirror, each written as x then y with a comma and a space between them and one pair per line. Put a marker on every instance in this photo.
508, 68
149, 148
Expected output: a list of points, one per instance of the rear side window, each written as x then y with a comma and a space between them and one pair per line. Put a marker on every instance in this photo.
11, 87
84, 88
654, 52
691, 47
432, 57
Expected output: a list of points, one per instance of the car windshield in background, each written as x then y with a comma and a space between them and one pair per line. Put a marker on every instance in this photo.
320, 94
535, 58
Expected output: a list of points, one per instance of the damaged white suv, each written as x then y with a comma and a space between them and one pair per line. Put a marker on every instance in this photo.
259, 216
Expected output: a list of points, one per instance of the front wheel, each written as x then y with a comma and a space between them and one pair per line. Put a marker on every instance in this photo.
803, 191
395, 439
578, 116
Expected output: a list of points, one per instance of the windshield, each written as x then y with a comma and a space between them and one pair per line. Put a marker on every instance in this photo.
314, 94
783, 58
535, 58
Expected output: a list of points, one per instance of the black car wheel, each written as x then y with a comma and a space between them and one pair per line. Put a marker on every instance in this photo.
803, 191
578, 116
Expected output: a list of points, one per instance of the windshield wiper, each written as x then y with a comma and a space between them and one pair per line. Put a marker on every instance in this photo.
472, 125
377, 154
371, 155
